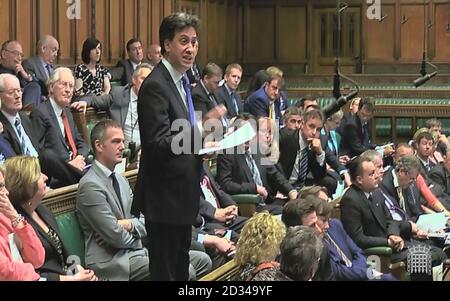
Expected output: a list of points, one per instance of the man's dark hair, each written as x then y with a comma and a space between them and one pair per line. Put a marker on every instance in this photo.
355, 167
131, 42
99, 131
175, 23
368, 102
294, 211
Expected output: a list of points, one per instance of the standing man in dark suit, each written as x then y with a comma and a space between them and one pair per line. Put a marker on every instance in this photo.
227, 93
54, 122
301, 151
43, 64
167, 189
125, 68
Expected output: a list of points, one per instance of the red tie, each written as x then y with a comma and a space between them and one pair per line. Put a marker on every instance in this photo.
69, 136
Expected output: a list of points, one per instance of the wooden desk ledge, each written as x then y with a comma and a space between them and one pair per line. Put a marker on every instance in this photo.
223, 273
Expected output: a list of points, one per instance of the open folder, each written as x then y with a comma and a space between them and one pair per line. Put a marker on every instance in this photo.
240, 136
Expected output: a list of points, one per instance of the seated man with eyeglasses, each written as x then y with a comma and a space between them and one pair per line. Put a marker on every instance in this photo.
11, 59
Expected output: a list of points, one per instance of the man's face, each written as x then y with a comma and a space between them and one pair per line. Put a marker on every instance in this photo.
364, 114
311, 128
154, 54
11, 96
310, 220
424, 148
139, 79
403, 151
135, 52
334, 123
265, 135
405, 178
212, 82
379, 169
368, 179
322, 225
233, 78
309, 102
62, 90
182, 50
50, 51
12, 55
273, 89
110, 151
294, 122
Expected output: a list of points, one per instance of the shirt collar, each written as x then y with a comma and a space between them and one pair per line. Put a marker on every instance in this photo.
423, 161
44, 64
133, 96
56, 107
104, 169
175, 74
204, 87
11, 118
367, 194
394, 176
302, 142
134, 65
228, 88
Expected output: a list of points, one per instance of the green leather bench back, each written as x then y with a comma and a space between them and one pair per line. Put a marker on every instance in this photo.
73, 236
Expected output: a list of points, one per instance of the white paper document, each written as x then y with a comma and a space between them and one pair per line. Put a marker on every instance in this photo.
240, 136
432, 222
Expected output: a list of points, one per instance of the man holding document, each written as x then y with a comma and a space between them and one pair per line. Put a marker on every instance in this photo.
167, 189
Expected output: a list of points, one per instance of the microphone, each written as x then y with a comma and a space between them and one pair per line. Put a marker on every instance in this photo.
339, 103
337, 81
423, 79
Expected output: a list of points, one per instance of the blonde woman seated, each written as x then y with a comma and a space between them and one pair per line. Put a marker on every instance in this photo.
31, 251
27, 188
258, 248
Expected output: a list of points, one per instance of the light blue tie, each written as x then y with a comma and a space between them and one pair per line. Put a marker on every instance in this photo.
21, 136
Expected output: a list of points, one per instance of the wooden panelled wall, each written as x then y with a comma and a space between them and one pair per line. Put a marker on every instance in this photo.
297, 35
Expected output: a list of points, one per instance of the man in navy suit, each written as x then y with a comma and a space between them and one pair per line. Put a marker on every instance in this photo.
265, 101
125, 68
227, 93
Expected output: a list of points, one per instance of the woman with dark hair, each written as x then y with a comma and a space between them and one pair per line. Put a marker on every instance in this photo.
91, 77
257, 81
27, 188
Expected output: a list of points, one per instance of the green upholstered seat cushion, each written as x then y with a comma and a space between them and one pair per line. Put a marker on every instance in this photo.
73, 236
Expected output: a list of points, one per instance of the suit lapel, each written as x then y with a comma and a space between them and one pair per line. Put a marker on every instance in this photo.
10, 134
376, 207
228, 101
124, 109
174, 89
116, 204
55, 123
242, 163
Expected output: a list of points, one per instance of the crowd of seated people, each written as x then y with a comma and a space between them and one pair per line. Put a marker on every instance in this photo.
300, 156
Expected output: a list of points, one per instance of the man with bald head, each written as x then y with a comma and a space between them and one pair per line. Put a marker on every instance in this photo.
154, 55
11, 59
43, 64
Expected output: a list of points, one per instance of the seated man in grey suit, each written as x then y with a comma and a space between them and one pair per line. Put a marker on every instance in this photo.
113, 236
57, 132
42, 65
121, 104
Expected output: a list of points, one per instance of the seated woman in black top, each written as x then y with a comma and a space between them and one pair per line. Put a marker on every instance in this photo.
26, 186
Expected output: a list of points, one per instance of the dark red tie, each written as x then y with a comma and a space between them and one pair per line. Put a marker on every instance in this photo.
69, 135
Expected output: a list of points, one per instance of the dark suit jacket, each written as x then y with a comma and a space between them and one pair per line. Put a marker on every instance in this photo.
411, 196
440, 178
34, 66
257, 104
10, 135
369, 224
124, 70
201, 100
223, 97
116, 103
289, 145
235, 177
352, 142
54, 262
167, 189
45, 121
358, 271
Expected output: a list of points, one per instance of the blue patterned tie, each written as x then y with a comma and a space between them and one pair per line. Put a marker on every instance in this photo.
190, 105
253, 169
234, 101
303, 168
21, 137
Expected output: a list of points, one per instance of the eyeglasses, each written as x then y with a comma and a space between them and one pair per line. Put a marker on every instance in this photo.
16, 53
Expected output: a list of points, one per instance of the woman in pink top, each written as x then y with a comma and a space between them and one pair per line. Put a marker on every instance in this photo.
28, 244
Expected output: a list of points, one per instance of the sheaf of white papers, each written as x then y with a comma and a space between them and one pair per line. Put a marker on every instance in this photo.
432, 222
240, 136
